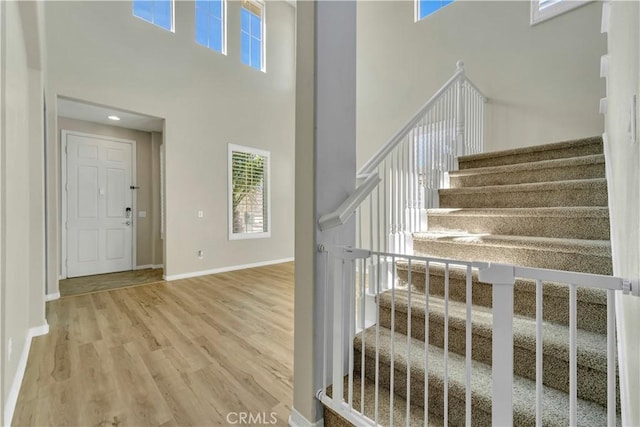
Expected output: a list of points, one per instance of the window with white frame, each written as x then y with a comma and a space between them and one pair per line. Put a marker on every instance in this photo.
424, 8
541, 10
157, 12
211, 24
252, 34
249, 198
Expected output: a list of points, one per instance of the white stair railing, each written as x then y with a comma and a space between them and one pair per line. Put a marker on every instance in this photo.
348, 312
412, 166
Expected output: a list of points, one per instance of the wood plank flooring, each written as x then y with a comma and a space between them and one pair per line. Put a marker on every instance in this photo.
183, 353
102, 282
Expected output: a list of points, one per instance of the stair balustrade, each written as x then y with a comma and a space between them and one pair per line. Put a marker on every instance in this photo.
401, 181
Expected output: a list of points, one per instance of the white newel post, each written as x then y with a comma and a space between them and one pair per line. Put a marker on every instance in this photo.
325, 177
460, 116
502, 278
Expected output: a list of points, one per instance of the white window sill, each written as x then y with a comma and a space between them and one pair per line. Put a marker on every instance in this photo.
549, 11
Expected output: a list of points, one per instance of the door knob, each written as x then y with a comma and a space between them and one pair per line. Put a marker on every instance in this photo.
127, 223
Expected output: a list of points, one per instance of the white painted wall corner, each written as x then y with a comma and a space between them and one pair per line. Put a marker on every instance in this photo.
149, 266
296, 419
14, 391
52, 297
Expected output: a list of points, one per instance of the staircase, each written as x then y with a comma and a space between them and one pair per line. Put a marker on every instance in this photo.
543, 207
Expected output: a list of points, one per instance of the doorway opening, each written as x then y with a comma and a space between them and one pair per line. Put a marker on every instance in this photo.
111, 212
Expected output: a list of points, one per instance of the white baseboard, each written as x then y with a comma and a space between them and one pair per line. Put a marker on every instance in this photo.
149, 266
39, 330
52, 297
225, 269
14, 391
297, 420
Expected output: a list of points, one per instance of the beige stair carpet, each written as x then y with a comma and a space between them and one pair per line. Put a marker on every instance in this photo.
543, 206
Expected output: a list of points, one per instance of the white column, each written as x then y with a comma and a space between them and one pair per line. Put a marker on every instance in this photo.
325, 176
502, 278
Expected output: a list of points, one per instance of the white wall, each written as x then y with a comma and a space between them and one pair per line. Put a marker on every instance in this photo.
543, 81
99, 52
21, 200
622, 159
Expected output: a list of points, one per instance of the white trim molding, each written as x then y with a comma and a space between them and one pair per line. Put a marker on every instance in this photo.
149, 266
541, 10
296, 419
14, 391
224, 269
604, 105
52, 297
604, 66
606, 17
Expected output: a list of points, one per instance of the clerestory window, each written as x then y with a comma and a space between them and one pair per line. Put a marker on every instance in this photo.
157, 12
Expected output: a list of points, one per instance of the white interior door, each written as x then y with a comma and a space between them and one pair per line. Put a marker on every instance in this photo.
99, 205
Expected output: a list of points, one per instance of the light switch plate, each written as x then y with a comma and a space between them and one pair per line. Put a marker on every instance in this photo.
200, 214
142, 214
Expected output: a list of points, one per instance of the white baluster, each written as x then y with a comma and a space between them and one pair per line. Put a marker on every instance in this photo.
393, 340
539, 348
611, 357
468, 330
363, 325
460, 119
385, 208
426, 344
377, 379
573, 356
338, 332
446, 344
408, 393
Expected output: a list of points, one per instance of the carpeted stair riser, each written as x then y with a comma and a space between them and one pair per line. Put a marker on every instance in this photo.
577, 148
436, 391
592, 309
332, 419
567, 193
556, 402
588, 167
592, 368
596, 261
575, 223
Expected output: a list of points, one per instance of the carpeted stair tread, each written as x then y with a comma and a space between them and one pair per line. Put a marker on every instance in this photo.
592, 348
556, 403
555, 290
589, 256
559, 222
572, 148
331, 419
551, 212
573, 168
592, 362
582, 192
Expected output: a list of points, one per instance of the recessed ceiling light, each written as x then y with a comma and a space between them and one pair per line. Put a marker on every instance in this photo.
115, 118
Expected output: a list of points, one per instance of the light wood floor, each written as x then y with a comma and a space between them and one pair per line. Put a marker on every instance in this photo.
183, 353
102, 282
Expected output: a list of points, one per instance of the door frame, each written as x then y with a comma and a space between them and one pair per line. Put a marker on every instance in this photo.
63, 190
